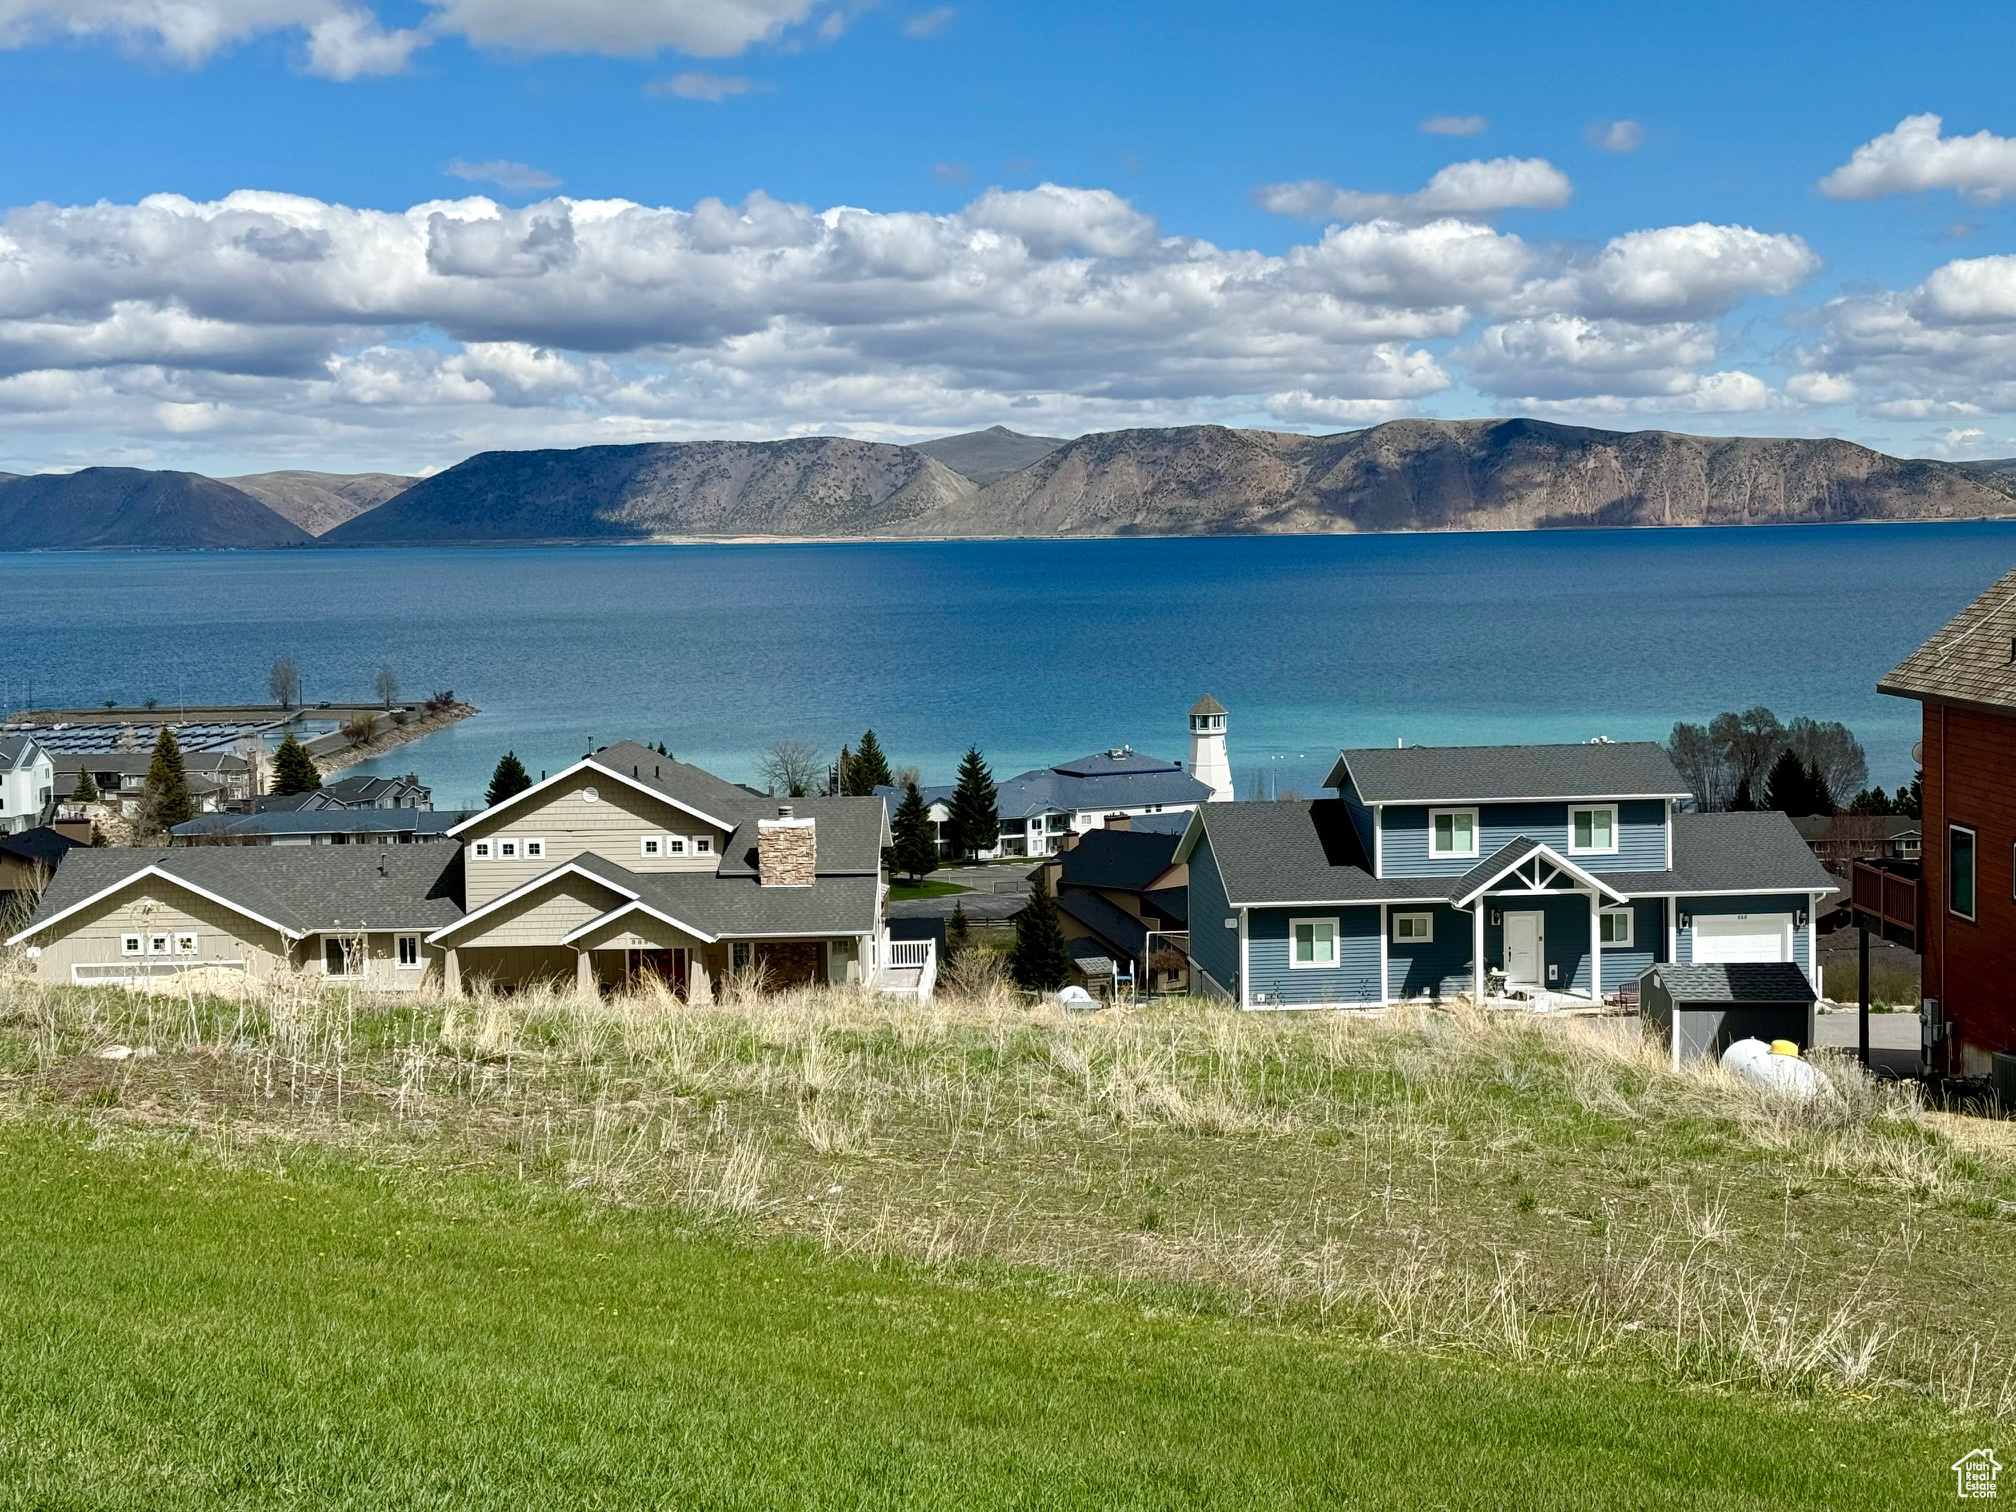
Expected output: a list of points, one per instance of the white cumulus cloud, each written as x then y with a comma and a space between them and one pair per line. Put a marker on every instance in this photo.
1914, 157
1479, 188
1455, 125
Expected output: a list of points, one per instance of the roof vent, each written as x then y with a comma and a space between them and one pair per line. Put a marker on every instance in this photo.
783, 811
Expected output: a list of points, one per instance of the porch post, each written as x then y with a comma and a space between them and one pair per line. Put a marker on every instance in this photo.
1477, 951
584, 974
698, 988
451, 971
1596, 945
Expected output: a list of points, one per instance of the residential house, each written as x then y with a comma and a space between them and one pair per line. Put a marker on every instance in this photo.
1487, 872
27, 784
216, 778
628, 865
359, 792
1964, 678
29, 858
1123, 902
1839, 840
320, 826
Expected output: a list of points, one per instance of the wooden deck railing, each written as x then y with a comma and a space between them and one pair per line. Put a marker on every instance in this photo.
1888, 896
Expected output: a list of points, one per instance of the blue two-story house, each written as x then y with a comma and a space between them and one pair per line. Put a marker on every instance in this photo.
1487, 872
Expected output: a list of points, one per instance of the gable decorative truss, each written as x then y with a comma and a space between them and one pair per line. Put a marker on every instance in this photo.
1531, 867
590, 764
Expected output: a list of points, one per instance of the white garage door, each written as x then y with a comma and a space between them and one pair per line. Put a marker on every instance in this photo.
1742, 937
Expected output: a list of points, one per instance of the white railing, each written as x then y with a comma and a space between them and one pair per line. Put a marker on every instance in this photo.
909, 968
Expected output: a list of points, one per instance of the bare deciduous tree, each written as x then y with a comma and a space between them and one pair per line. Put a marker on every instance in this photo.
790, 768
1830, 748
386, 684
284, 682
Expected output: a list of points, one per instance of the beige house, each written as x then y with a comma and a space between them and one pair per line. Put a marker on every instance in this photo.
626, 866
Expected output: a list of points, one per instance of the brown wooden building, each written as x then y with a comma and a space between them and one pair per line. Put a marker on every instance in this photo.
1965, 677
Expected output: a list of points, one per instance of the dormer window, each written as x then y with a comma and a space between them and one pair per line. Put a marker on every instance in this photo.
1593, 831
1452, 834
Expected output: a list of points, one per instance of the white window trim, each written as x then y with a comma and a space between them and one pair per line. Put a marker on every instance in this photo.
1453, 855
132, 945
1336, 943
526, 843
419, 961
1973, 850
507, 850
195, 942
481, 850
1630, 940
651, 847
1427, 919
675, 845
1592, 850
703, 845
167, 939
363, 961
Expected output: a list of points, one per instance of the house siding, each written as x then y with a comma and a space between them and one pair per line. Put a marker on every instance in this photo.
151, 905
1971, 964
1566, 946
1754, 903
1439, 967
1641, 836
1623, 964
542, 917
1354, 979
1213, 947
611, 827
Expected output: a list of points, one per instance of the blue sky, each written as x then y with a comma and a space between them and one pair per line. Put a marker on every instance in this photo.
395, 233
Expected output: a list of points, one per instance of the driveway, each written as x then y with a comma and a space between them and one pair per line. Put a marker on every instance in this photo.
1893, 1038
996, 892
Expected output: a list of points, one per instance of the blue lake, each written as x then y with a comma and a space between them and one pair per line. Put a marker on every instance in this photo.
1034, 650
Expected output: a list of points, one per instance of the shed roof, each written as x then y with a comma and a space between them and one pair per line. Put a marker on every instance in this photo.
1485, 774
1970, 660
1734, 982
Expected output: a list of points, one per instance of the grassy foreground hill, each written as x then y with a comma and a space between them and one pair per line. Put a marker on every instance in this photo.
824, 1251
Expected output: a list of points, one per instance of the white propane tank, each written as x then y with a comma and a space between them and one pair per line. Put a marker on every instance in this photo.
1776, 1066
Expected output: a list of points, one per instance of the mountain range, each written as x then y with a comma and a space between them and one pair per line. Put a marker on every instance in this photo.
1185, 480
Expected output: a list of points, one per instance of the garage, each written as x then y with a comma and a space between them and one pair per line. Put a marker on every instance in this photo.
1742, 938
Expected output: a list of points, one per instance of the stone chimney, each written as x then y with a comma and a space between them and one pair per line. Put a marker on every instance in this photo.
787, 850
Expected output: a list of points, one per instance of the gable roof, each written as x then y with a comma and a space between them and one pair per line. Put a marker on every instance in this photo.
297, 890
40, 846
1970, 660
1111, 924
19, 750
1125, 860
1493, 869
700, 793
1500, 774
850, 834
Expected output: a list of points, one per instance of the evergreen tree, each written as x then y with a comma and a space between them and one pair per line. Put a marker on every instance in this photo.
1870, 802
866, 770
1819, 796
166, 799
958, 934
916, 851
1786, 789
294, 769
508, 780
1743, 802
1040, 961
975, 820
1910, 800
86, 790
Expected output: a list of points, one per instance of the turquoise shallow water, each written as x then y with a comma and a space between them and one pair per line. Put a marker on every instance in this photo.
1035, 650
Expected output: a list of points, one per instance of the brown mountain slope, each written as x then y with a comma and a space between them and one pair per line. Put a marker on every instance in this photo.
1454, 475
320, 501
131, 506
814, 486
987, 456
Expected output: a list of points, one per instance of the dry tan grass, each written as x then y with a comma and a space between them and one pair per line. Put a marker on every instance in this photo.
1539, 1190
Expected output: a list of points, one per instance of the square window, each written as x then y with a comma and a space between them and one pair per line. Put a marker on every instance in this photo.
1960, 870
158, 944
703, 845
185, 944
1616, 926
1413, 928
340, 955
481, 850
409, 952
1452, 832
1312, 942
651, 845
507, 850
675, 845
1592, 831
535, 850
130, 945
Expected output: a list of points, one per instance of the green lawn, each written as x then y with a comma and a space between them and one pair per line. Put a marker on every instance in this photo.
900, 892
297, 1330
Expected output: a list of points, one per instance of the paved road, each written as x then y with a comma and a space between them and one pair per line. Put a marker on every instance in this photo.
1893, 1038
996, 893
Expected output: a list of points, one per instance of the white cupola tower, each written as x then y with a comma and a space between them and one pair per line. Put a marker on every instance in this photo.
1208, 762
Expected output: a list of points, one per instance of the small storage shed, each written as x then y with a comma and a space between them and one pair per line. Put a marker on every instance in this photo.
1703, 1010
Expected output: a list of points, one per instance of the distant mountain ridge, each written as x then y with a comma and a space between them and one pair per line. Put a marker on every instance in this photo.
1183, 480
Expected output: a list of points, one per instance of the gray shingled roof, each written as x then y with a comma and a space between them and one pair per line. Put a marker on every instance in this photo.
1113, 925
15, 750
1970, 661
1307, 852
690, 786
849, 835
729, 906
1485, 774
1123, 859
303, 888
1745, 982
1207, 705
428, 823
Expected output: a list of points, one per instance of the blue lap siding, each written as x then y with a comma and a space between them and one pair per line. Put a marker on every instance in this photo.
1622, 964
1641, 837
1566, 943
1354, 979
1212, 946
1754, 903
1439, 967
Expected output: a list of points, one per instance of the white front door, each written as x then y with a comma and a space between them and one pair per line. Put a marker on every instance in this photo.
1525, 949
1742, 937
